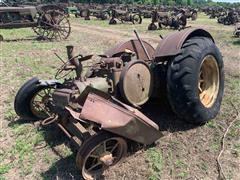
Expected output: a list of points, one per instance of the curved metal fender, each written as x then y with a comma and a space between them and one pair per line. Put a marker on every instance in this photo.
132, 45
172, 44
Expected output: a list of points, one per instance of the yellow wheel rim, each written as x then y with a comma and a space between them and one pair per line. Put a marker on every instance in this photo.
208, 83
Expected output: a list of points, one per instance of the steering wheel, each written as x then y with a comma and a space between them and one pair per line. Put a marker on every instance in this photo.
68, 66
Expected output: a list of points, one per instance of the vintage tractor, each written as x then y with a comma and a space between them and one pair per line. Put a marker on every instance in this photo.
125, 16
236, 32
178, 21
100, 110
73, 10
189, 12
47, 21
102, 14
229, 19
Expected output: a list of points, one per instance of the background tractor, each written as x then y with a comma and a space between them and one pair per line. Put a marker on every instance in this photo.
125, 16
47, 21
175, 21
236, 32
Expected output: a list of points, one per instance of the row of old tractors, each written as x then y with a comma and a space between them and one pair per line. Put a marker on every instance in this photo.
225, 16
173, 17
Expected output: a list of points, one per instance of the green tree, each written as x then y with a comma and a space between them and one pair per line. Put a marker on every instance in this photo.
189, 2
184, 2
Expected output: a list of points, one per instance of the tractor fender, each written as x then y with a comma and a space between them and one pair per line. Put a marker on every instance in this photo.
118, 118
132, 45
171, 45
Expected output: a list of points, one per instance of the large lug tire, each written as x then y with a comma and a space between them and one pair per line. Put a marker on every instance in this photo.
99, 152
25, 97
195, 81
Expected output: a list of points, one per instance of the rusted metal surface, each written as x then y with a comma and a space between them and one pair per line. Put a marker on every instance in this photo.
136, 83
17, 17
132, 45
129, 123
172, 44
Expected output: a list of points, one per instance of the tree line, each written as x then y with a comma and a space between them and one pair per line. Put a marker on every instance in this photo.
149, 2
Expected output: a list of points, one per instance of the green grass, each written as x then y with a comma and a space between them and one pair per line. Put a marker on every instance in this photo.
5, 168
155, 159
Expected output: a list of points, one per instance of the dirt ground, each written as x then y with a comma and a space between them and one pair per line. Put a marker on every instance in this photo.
29, 151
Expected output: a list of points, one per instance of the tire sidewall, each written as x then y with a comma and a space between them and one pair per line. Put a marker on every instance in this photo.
202, 113
210, 112
23, 99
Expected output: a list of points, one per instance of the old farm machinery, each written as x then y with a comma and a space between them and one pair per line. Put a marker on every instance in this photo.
125, 16
47, 21
175, 21
230, 18
100, 110
236, 32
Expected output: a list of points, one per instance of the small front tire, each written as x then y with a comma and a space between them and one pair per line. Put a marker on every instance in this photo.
30, 93
99, 152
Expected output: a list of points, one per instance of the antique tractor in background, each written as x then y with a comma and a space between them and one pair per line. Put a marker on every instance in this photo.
236, 32
190, 13
100, 13
125, 16
231, 18
214, 12
178, 21
47, 21
99, 108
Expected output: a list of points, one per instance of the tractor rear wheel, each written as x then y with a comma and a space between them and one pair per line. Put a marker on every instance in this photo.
53, 24
195, 81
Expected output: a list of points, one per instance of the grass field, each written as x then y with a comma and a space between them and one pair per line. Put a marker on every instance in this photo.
29, 151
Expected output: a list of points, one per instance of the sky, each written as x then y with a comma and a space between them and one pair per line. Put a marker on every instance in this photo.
227, 1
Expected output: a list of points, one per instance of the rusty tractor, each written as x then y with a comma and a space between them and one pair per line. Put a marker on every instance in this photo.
101, 13
229, 19
190, 13
214, 12
125, 16
100, 108
47, 21
178, 21
236, 32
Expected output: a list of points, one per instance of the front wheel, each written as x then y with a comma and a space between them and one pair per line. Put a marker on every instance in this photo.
195, 81
99, 152
32, 99
137, 19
